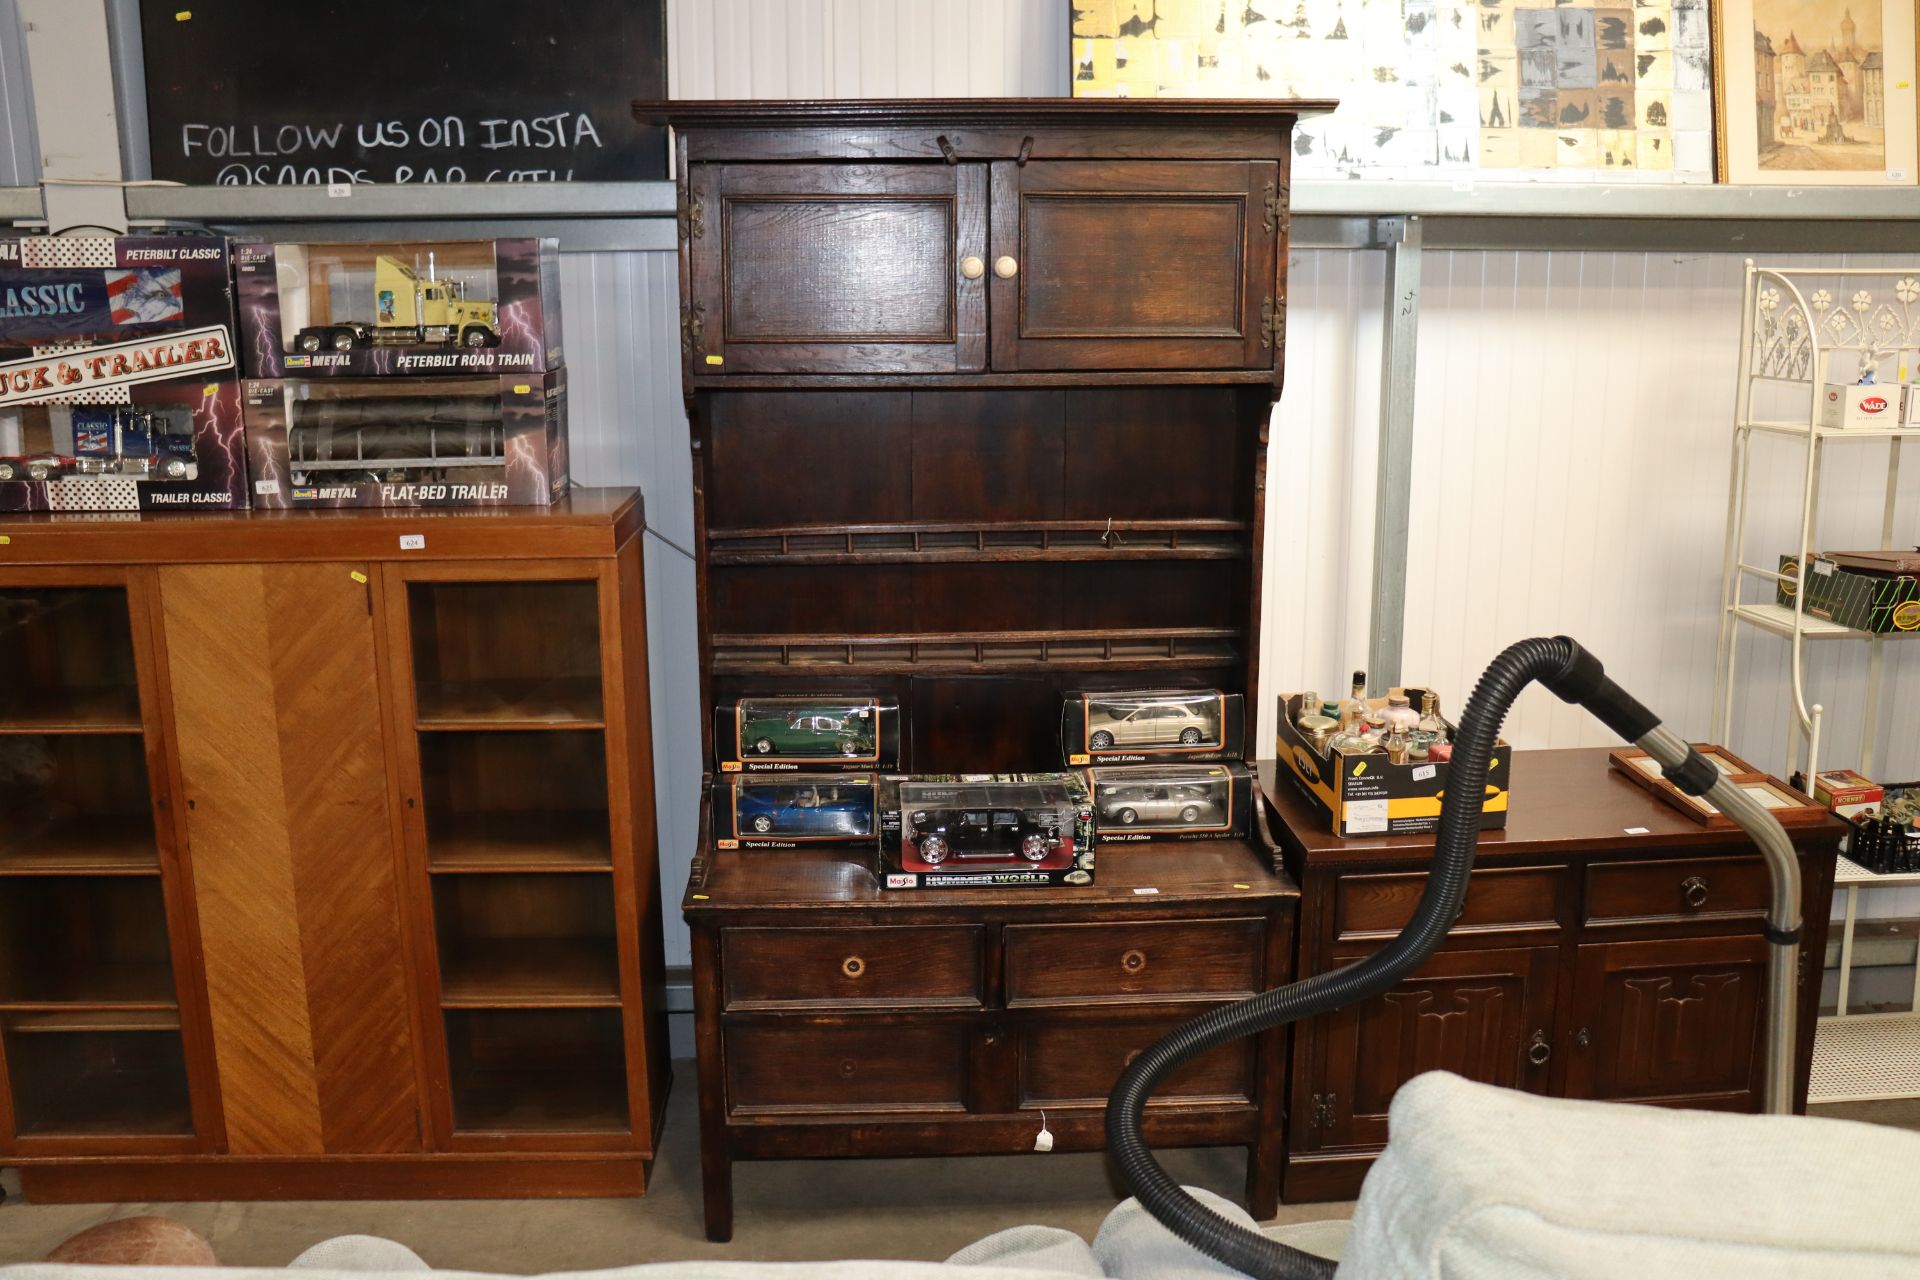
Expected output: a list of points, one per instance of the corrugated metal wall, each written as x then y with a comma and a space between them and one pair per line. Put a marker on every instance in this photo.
19, 152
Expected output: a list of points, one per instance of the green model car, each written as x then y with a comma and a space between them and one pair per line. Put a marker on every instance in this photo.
808, 731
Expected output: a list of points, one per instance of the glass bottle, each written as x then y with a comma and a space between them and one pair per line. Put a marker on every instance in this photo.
1309, 707
1400, 713
1352, 735
1398, 743
1430, 728
1356, 701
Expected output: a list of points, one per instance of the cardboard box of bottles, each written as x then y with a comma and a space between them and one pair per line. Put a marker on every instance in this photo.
1172, 801
811, 733
790, 811
415, 442
399, 308
118, 382
1881, 603
1369, 795
985, 830
1152, 726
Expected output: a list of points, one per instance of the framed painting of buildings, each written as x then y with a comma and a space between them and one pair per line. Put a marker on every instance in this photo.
1817, 92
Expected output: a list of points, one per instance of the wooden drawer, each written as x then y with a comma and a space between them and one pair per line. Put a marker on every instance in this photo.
1673, 889
1075, 1064
857, 968
1499, 900
775, 1067
1113, 963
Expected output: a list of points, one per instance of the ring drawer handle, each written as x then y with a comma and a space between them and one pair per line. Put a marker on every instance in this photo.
1539, 1050
853, 966
1695, 890
1134, 961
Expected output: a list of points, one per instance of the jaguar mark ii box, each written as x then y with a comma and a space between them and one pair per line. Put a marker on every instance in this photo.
1152, 725
399, 308
1172, 801
1367, 794
793, 810
421, 442
988, 830
783, 734
118, 387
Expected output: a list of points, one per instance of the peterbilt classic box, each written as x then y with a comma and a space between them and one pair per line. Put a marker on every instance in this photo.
416, 442
985, 830
399, 308
118, 389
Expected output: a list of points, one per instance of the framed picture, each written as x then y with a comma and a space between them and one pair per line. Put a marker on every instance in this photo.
1816, 92
1788, 805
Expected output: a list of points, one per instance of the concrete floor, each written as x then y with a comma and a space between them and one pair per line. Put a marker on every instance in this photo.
783, 1211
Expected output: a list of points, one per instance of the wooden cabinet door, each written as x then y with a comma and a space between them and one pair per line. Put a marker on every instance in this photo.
276, 705
1676, 1021
1475, 1013
848, 268
1134, 264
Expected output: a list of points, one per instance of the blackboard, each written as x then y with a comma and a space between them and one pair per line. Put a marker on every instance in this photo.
350, 91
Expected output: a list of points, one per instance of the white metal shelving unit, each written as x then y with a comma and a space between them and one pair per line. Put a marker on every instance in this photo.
1794, 340
1790, 339
1864, 1057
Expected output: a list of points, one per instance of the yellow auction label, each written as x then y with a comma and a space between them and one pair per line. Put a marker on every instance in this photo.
358, 576
521, 388
1906, 617
716, 359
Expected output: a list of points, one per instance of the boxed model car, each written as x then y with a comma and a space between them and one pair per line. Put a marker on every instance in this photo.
1142, 726
1171, 801
985, 830
793, 810
118, 389
409, 308
366, 442
784, 734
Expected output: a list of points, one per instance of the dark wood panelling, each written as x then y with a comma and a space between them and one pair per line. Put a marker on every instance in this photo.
987, 455
827, 457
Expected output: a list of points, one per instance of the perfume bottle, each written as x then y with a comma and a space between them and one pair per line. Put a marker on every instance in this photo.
1400, 713
1352, 736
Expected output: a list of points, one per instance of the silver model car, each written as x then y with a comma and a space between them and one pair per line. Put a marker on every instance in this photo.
1157, 803
1148, 724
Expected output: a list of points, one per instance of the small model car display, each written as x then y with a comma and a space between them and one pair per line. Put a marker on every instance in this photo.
987, 829
1179, 801
782, 734
810, 809
1160, 724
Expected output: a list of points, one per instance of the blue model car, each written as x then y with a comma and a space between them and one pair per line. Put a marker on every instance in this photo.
805, 810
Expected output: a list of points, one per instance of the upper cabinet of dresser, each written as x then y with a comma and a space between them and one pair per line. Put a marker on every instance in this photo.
1046, 236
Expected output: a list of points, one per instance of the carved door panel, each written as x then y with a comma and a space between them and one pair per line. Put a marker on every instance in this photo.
1669, 1021
1485, 1015
851, 268
1135, 264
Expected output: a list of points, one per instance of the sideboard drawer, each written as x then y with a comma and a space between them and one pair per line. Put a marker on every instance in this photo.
775, 1067
1499, 899
1677, 889
866, 967
1075, 1064
1114, 963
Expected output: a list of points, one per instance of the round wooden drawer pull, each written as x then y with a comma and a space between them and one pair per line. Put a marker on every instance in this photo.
1695, 890
1134, 961
853, 966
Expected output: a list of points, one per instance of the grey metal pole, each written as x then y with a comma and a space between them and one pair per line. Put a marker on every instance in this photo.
1393, 492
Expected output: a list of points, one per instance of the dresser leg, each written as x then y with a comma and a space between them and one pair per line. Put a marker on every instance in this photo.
716, 1182
1263, 1179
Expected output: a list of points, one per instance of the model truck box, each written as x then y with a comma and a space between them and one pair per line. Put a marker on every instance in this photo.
985, 830
399, 308
118, 382
415, 442
1877, 603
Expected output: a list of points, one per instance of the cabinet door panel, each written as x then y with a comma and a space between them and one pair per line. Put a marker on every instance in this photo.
1474, 1013
1670, 1021
1132, 265
277, 712
837, 269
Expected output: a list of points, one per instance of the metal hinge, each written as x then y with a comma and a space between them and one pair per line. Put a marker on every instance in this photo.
692, 216
1274, 203
1322, 1117
1272, 323
693, 324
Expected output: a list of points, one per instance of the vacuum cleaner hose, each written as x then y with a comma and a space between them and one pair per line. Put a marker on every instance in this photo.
1569, 671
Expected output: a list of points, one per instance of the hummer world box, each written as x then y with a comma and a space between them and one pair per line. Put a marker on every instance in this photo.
1369, 794
1172, 801
1881, 603
792, 734
792, 810
986, 830
118, 387
402, 308
421, 442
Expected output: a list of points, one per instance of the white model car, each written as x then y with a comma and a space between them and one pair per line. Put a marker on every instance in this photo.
1150, 724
